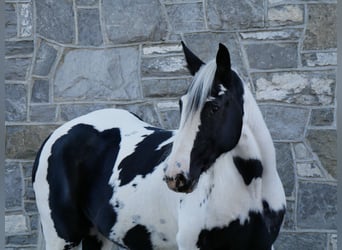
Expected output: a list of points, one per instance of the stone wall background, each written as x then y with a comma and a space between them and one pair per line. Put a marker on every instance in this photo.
68, 57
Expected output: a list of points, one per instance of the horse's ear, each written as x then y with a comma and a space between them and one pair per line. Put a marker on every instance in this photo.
223, 63
193, 62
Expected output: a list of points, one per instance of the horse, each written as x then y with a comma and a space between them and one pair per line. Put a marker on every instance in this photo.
108, 178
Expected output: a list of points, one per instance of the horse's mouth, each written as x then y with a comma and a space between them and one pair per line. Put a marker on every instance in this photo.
189, 188
181, 184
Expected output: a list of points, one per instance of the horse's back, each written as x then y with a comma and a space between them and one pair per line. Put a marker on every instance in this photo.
72, 172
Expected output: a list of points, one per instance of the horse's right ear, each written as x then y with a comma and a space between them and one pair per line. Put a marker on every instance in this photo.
193, 62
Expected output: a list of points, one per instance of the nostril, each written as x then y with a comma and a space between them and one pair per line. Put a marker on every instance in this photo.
167, 178
180, 180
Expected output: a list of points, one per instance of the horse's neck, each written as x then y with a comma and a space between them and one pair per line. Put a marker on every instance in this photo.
256, 134
256, 142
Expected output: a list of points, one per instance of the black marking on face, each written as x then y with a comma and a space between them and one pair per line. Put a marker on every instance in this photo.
273, 220
252, 234
80, 166
146, 156
138, 238
249, 169
220, 127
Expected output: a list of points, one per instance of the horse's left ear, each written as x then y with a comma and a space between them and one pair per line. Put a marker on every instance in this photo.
193, 62
223, 63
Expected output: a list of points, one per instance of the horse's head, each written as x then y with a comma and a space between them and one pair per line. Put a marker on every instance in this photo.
211, 120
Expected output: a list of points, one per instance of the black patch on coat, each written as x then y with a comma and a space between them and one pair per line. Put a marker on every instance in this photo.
91, 243
138, 238
36, 161
249, 169
80, 166
251, 235
146, 156
273, 220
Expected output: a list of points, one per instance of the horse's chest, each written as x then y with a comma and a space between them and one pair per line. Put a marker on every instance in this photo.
146, 213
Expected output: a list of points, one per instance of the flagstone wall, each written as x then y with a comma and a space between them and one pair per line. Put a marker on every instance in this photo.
68, 57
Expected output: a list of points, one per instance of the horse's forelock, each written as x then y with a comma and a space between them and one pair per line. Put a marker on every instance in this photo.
199, 90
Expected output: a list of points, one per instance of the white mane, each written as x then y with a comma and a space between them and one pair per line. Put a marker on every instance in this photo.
200, 89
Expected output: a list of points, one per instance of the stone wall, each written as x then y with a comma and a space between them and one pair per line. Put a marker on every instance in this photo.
68, 57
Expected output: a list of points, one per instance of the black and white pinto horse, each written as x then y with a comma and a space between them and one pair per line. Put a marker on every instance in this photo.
100, 178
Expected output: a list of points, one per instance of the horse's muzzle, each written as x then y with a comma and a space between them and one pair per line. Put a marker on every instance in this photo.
180, 183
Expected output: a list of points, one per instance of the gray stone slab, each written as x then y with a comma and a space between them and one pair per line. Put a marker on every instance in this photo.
131, 21
27, 169
40, 91
23, 142
317, 206
272, 55
18, 48
16, 102
322, 117
10, 18
164, 87
321, 28
286, 14
302, 152
170, 119
164, 66
70, 111
43, 113
102, 74
205, 46
15, 224
285, 167
186, 17
22, 239
145, 111
89, 29
28, 190
289, 220
235, 15
55, 20
301, 241
332, 242
87, 2
45, 57
272, 35
324, 145
162, 49
34, 222
285, 123
296, 87
25, 17
309, 170
13, 185
30, 207
17, 68
314, 59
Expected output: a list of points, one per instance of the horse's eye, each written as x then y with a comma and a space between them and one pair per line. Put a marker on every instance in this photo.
214, 108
